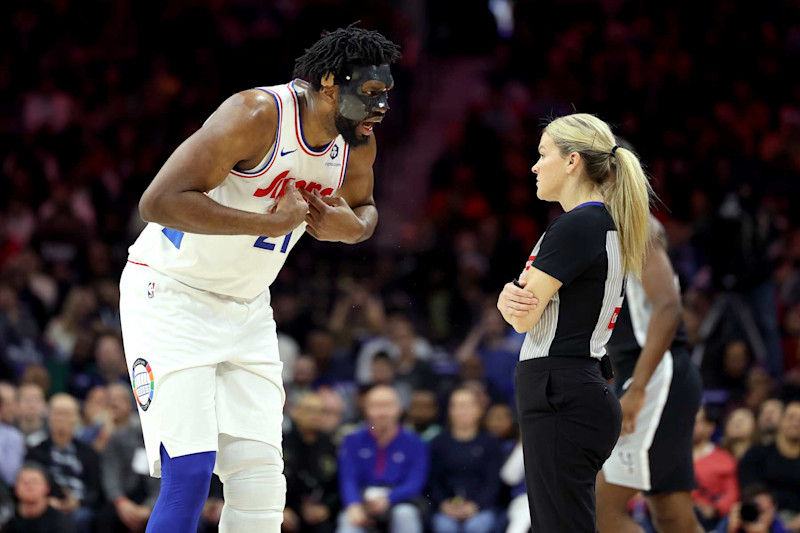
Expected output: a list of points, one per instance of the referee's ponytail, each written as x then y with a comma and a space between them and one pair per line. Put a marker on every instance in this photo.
618, 172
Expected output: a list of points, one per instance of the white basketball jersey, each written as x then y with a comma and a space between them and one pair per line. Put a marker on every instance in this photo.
244, 266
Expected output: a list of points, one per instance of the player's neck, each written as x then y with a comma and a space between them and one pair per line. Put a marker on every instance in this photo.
312, 117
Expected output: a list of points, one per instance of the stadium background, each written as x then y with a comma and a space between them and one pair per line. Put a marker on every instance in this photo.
96, 95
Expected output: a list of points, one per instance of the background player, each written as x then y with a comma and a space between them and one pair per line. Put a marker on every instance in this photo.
224, 211
660, 391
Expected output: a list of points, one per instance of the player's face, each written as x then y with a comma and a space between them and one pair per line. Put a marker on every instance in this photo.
363, 102
549, 169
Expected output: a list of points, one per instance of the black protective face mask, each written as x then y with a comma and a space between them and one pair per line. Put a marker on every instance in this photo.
356, 105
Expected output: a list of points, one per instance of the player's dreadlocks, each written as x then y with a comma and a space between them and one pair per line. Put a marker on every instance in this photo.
339, 50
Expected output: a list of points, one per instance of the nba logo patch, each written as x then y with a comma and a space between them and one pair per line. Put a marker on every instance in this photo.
143, 383
151, 289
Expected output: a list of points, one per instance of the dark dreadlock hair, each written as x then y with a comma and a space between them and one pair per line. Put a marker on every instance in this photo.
342, 49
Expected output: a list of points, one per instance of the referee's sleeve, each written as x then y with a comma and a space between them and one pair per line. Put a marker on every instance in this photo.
570, 245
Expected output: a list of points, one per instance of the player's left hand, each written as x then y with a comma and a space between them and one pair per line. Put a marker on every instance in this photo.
631, 403
331, 219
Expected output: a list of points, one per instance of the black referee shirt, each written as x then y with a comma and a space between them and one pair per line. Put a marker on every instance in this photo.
580, 249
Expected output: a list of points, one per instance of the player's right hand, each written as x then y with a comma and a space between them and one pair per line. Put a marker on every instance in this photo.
291, 206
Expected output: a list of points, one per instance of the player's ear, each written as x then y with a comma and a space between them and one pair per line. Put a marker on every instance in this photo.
328, 91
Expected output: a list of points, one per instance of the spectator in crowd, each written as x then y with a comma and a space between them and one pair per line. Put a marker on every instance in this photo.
769, 418
384, 372
423, 414
513, 474
500, 423
465, 470
305, 375
312, 500
31, 414
333, 413
411, 351
740, 432
12, 451
129, 491
497, 346
8, 403
383, 470
755, 514
34, 513
715, 472
62, 330
778, 466
334, 365
96, 422
73, 466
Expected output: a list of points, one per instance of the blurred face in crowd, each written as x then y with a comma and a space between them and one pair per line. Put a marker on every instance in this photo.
423, 409
32, 486
769, 417
382, 370
382, 409
308, 412
401, 332
305, 371
550, 170
31, 402
465, 410
333, 410
790, 423
109, 355
320, 345
500, 421
8, 403
64, 413
493, 324
735, 359
703, 427
96, 405
741, 424
119, 399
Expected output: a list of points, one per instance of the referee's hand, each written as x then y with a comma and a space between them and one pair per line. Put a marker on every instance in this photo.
514, 301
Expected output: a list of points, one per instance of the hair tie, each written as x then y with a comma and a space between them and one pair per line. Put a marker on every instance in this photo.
614, 150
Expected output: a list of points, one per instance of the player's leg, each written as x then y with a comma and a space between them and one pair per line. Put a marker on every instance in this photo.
168, 348
673, 512
184, 490
612, 512
254, 486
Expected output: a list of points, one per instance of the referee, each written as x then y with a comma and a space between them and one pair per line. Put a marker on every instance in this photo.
569, 418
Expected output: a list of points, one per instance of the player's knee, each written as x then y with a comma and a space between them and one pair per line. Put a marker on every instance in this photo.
252, 475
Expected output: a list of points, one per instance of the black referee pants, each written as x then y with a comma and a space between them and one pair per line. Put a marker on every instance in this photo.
570, 421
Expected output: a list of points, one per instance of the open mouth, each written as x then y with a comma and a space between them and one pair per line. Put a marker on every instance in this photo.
366, 127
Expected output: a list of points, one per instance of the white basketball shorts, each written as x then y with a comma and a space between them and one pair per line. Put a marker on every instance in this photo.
200, 363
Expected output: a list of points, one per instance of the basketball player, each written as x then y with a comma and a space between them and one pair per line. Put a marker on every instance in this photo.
224, 212
660, 391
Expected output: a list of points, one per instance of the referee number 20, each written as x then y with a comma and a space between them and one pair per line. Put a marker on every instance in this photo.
263, 242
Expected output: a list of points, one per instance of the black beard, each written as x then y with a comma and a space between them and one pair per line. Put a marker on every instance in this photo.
347, 129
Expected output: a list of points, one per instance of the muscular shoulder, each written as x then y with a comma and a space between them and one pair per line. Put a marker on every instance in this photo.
248, 118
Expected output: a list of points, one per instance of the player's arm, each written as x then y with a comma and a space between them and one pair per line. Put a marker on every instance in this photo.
239, 133
658, 280
351, 215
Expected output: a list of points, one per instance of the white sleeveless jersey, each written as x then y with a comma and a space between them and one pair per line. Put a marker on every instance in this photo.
244, 266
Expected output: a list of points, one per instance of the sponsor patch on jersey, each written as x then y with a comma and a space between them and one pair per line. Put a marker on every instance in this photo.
143, 383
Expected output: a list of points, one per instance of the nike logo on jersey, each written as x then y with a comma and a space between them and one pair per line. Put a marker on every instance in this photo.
283, 153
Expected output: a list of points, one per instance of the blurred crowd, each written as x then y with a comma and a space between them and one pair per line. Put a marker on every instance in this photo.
99, 94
